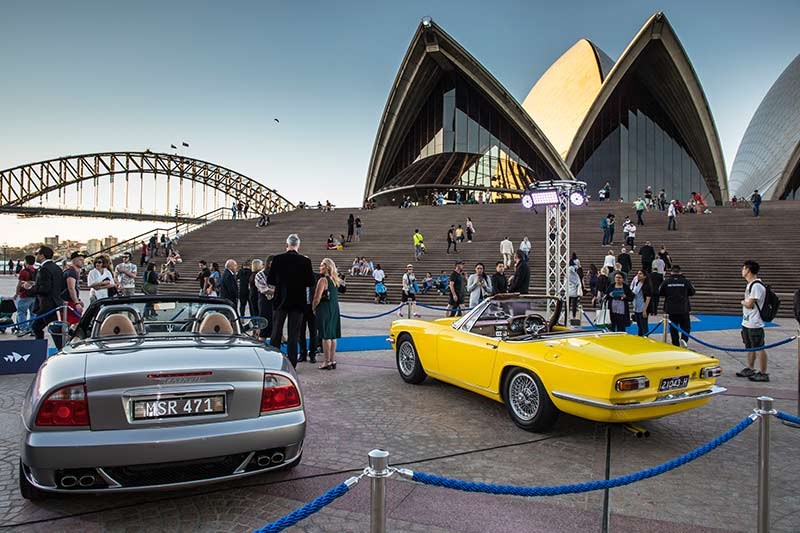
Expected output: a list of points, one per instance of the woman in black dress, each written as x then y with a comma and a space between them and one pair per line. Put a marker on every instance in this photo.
620, 297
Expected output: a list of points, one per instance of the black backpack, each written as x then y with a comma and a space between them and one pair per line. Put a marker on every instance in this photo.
771, 304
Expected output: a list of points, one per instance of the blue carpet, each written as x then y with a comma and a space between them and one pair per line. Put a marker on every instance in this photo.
361, 343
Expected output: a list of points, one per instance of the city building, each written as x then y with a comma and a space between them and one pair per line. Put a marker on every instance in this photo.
110, 241
449, 126
768, 158
93, 246
640, 121
52, 242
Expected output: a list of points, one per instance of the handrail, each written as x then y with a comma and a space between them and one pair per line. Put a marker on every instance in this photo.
183, 227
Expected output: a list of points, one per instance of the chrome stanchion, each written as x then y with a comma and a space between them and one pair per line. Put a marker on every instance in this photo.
665, 327
787, 423
377, 473
408, 308
765, 412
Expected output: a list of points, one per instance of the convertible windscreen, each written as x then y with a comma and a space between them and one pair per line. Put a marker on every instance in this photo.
513, 317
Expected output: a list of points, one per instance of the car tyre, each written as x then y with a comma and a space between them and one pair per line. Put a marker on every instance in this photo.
527, 401
408, 363
26, 489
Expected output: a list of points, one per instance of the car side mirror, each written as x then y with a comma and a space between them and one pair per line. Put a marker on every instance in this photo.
58, 328
252, 323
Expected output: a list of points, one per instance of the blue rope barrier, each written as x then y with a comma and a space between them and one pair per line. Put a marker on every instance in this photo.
443, 308
35, 318
374, 316
305, 511
576, 488
653, 330
709, 345
788, 418
590, 320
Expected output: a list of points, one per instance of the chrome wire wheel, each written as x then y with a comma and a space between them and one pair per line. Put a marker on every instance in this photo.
523, 396
407, 358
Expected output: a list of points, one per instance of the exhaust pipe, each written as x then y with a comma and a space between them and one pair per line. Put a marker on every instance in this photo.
263, 460
636, 430
87, 480
69, 481
277, 458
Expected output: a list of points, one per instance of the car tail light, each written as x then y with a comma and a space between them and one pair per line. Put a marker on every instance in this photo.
629, 384
711, 372
279, 392
67, 406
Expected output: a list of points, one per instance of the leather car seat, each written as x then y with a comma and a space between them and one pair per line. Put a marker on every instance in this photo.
215, 324
116, 325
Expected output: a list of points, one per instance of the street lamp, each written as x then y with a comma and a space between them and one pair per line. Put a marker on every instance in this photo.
5, 255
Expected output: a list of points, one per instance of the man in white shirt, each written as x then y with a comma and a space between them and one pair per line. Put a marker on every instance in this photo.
507, 250
672, 212
126, 276
755, 296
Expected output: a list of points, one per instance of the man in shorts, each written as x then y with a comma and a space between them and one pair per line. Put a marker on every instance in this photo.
755, 295
126, 276
410, 289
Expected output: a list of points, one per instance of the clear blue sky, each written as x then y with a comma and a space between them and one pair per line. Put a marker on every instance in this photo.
90, 76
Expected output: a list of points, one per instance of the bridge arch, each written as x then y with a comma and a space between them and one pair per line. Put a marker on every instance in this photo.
24, 183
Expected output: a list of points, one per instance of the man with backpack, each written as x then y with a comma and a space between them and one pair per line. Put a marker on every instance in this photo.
760, 305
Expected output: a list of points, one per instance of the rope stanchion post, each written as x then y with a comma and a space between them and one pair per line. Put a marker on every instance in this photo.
665, 323
377, 473
408, 309
765, 411
787, 422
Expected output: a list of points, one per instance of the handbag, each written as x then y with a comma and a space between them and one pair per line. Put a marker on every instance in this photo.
602, 317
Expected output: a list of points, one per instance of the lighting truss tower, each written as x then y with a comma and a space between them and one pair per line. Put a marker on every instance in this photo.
556, 197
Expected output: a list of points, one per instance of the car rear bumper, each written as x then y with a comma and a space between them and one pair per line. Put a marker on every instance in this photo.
226, 450
667, 399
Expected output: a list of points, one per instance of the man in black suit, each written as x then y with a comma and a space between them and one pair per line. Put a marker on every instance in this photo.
522, 274
293, 278
48, 289
228, 288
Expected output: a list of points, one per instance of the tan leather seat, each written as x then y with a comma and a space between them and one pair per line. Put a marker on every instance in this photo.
117, 325
215, 323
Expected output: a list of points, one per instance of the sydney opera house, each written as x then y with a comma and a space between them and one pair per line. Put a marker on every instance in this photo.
642, 120
768, 158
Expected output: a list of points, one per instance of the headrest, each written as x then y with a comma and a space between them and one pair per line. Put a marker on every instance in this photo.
117, 325
215, 323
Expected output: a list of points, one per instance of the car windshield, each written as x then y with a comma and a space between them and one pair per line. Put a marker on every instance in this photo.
491, 317
156, 317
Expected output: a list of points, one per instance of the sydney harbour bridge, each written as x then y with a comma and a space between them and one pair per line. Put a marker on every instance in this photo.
131, 185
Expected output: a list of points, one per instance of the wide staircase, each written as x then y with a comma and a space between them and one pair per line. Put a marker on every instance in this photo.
710, 248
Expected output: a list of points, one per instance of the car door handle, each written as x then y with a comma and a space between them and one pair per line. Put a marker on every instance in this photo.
494, 346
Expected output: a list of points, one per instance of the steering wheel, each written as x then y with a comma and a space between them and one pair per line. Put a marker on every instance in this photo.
535, 325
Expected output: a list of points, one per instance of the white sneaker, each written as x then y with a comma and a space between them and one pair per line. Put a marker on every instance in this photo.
683, 344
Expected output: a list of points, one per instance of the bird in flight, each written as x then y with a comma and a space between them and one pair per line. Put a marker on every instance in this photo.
276, 120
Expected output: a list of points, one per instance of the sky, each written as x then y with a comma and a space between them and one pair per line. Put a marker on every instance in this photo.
88, 76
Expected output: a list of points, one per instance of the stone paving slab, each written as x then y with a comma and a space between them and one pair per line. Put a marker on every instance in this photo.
447, 431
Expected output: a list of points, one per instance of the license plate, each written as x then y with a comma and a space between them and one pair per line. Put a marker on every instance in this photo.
175, 407
679, 382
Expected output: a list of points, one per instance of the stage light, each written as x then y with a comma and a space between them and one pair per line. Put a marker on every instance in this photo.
527, 201
577, 198
545, 197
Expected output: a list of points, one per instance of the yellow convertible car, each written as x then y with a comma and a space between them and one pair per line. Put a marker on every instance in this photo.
510, 348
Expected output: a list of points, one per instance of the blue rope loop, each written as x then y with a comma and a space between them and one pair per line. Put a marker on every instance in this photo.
786, 417
714, 346
488, 488
305, 511
389, 312
653, 329
463, 309
35, 318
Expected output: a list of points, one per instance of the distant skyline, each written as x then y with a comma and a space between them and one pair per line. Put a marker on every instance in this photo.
98, 76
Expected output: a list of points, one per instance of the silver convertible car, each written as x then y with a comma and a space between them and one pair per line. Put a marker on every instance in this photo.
159, 392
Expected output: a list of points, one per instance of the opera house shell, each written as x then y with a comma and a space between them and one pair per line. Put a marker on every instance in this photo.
450, 125
640, 121
768, 158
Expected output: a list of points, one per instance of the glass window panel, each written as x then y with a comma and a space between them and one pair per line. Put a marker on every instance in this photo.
461, 131
473, 136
